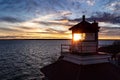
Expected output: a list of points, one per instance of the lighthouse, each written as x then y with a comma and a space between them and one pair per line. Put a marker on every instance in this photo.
85, 37
82, 61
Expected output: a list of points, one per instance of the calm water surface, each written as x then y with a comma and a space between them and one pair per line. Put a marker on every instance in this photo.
22, 59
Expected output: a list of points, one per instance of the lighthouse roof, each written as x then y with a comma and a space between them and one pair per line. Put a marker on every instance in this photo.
85, 26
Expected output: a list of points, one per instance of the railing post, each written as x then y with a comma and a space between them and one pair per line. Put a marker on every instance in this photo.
65, 47
81, 48
61, 48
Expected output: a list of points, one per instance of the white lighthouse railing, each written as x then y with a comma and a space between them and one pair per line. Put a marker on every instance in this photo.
68, 48
65, 48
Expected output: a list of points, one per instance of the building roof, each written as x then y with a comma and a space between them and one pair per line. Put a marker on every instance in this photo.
85, 26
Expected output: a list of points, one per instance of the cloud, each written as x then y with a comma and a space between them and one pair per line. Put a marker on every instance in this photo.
26, 28
113, 5
51, 35
10, 19
102, 17
17, 37
90, 2
51, 30
8, 37
116, 29
64, 13
107, 24
50, 23
106, 17
110, 31
9, 29
56, 17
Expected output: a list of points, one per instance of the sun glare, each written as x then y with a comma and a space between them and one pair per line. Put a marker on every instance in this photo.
77, 37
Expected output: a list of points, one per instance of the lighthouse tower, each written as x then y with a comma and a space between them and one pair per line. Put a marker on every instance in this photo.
85, 37
84, 45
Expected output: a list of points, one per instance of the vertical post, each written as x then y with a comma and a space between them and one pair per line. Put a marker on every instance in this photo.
96, 34
61, 48
81, 48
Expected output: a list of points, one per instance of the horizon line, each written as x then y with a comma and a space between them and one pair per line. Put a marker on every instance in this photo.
53, 39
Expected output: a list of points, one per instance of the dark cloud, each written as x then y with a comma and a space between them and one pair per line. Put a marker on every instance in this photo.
43, 23
54, 30
15, 37
10, 19
110, 27
52, 23
26, 28
7, 37
110, 30
9, 29
23, 27
42, 33
50, 31
102, 17
105, 17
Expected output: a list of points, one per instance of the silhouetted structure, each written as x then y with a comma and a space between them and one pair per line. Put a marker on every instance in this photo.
64, 70
87, 37
90, 65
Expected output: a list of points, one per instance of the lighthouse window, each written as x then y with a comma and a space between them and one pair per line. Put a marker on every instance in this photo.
78, 36
90, 36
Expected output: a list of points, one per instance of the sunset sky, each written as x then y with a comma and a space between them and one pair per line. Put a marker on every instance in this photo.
51, 19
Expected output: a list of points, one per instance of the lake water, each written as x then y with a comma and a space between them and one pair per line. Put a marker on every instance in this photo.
22, 59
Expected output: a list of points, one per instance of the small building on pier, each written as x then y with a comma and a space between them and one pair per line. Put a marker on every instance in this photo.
85, 37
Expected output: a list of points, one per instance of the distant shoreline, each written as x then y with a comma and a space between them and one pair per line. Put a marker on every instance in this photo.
57, 39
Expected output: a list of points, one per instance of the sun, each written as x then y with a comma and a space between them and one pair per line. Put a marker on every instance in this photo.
77, 37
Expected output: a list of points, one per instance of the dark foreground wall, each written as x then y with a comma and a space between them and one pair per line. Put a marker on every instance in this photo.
63, 70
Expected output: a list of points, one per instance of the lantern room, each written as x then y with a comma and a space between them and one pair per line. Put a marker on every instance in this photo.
85, 37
